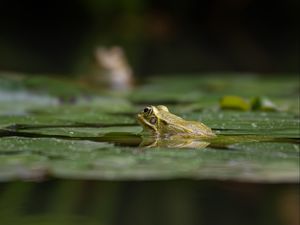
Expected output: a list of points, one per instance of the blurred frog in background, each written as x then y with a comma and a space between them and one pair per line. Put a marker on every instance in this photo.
110, 69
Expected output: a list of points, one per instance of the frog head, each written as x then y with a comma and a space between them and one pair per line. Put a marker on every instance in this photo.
152, 118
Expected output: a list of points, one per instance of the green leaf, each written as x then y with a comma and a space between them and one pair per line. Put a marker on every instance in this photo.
26, 158
57, 128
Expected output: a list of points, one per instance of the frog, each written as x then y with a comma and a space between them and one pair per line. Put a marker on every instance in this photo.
110, 70
160, 122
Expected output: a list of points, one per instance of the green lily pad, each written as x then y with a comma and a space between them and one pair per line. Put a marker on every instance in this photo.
260, 123
18, 103
57, 128
64, 119
25, 158
79, 131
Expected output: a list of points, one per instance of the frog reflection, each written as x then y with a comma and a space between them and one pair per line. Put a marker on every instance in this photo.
172, 142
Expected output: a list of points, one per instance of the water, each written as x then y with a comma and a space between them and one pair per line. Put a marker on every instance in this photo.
134, 140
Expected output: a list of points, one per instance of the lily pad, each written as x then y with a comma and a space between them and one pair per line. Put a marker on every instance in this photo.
261, 123
79, 130
57, 128
18, 103
27, 158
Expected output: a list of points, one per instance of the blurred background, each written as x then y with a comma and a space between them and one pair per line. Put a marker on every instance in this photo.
179, 202
158, 36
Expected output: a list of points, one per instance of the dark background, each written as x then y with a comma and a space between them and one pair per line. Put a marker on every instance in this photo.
175, 202
158, 36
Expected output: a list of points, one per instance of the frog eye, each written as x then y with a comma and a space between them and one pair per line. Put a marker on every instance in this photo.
147, 110
153, 120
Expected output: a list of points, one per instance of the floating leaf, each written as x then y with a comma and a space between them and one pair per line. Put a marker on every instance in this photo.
92, 135
234, 102
23, 157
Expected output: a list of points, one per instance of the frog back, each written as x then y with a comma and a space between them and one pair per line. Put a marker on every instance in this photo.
172, 124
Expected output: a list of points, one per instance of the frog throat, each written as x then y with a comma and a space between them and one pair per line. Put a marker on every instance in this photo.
147, 125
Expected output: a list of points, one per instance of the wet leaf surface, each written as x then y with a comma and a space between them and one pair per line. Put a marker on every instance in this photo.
74, 132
